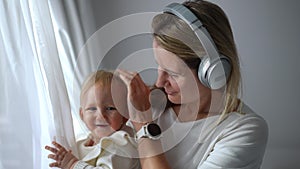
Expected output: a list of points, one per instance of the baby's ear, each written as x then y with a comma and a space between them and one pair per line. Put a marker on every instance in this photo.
81, 113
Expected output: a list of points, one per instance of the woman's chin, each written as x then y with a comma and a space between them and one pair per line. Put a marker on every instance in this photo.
179, 100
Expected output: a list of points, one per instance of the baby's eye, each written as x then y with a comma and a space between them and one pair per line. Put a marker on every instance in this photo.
91, 109
110, 108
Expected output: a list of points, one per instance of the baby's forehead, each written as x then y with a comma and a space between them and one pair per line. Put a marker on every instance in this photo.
113, 87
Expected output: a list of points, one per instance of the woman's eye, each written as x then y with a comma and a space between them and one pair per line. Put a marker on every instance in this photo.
173, 75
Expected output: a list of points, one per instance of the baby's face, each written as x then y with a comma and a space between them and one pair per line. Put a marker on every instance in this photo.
99, 113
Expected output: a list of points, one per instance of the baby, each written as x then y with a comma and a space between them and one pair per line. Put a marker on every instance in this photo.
109, 144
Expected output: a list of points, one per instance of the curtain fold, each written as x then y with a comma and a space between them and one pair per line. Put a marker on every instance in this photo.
73, 24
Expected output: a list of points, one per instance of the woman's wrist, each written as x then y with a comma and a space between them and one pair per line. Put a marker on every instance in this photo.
137, 126
151, 154
140, 118
149, 148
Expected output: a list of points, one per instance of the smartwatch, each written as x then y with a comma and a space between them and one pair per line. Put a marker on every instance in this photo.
149, 130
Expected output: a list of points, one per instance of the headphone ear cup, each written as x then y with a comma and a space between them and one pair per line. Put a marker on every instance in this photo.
214, 74
202, 70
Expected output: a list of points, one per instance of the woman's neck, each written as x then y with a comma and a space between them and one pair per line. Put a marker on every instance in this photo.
199, 109
188, 112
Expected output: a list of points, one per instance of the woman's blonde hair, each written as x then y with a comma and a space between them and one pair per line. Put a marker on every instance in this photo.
174, 35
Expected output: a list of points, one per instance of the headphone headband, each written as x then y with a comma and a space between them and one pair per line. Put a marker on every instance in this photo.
196, 25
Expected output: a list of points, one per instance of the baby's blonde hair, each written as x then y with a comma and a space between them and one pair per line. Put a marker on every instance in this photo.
100, 76
103, 77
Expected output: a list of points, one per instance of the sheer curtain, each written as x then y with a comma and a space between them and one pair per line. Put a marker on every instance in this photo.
35, 106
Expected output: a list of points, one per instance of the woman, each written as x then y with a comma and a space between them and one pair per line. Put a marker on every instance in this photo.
207, 126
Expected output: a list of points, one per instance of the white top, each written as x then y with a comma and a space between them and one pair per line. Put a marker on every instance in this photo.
238, 142
113, 152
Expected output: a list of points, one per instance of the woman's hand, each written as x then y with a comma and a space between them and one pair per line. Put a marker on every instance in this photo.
138, 97
63, 158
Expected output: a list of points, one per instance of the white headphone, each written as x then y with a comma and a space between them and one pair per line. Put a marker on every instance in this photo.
214, 68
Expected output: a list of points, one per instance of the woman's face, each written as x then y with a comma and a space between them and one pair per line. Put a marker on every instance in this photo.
99, 112
179, 81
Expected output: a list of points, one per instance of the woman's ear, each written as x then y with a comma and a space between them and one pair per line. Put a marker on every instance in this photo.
81, 113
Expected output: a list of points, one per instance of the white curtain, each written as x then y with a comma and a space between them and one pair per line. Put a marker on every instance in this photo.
35, 108
46, 50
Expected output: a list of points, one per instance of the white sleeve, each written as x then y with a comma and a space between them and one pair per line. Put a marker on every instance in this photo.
110, 162
240, 146
84, 165
80, 165
114, 152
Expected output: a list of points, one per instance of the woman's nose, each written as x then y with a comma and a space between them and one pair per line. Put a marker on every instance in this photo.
161, 78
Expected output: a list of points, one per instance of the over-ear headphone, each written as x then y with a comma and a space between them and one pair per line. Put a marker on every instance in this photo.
214, 69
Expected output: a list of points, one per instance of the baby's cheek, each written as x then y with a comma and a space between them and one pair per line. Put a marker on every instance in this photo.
117, 123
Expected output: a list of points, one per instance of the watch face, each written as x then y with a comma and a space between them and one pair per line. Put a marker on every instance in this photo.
154, 129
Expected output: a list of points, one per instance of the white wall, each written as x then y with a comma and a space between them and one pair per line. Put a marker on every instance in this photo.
268, 40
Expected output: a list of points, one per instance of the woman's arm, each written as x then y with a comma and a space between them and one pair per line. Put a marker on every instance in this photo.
150, 151
151, 154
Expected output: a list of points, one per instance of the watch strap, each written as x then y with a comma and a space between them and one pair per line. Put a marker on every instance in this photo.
141, 133
149, 130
